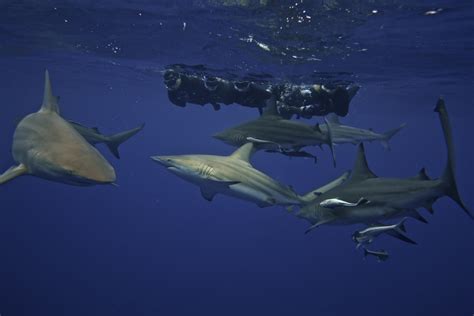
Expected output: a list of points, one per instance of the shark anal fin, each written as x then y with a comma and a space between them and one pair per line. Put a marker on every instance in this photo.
414, 214
400, 236
13, 172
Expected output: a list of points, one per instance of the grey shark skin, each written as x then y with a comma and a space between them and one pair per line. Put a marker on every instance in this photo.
343, 134
389, 197
94, 136
233, 176
47, 146
272, 132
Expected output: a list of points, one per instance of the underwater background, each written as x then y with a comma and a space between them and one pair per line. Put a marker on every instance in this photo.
153, 245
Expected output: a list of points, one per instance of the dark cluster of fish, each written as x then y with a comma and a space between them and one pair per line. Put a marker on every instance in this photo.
48, 146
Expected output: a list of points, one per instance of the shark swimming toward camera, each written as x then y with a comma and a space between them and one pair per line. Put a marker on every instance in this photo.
94, 136
276, 134
343, 134
47, 146
386, 197
234, 176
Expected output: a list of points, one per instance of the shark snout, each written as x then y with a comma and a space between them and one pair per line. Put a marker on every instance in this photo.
166, 161
220, 136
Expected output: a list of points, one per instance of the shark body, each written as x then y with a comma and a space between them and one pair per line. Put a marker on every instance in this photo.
387, 197
234, 176
47, 146
344, 134
277, 134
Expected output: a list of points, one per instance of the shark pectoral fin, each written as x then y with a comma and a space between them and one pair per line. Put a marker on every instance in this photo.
314, 226
208, 194
13, 172
210, 187
217, 185
270, 201
400, 236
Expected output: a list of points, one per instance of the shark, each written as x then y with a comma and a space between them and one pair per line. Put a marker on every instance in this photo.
274, 133
47, 146
94, 136
234, 176
344, 134
387, 198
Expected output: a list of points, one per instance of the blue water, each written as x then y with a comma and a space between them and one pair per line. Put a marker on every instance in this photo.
153, 245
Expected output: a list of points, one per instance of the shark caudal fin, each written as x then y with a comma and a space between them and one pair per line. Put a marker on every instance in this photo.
449, 176
116, 140
389, 134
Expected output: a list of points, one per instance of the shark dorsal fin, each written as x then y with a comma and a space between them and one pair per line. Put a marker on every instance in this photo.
361, 170
333, 118
421, 175
50, 102
244, 152
270, 109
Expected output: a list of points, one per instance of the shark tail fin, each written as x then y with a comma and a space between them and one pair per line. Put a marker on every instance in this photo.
401, 225
330, 139
12, 173
449, 175
116, 140
389, 134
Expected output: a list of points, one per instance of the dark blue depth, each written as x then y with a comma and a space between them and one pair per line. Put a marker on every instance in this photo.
153, 245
